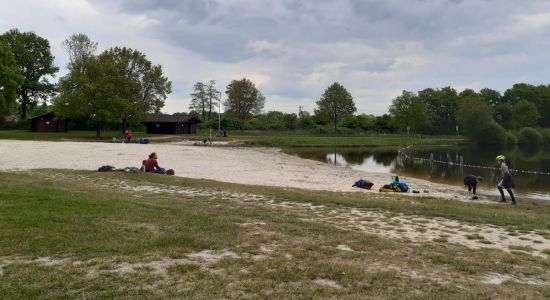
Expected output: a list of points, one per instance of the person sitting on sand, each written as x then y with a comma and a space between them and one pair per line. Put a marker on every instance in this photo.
471, 182
152, 166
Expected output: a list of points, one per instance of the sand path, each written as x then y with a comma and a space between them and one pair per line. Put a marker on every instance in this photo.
256, 166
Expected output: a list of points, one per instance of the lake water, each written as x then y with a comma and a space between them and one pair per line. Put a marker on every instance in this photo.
388, 160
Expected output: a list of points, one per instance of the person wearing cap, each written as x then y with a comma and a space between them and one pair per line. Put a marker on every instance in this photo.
506, 182
471, 182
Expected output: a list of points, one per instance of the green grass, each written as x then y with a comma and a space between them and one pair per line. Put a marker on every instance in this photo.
89, 229
75, 135
298, 139
265, 139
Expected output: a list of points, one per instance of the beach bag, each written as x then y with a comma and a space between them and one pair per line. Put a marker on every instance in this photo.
106, 168
364, 184
386, 188
170, 172
400, 187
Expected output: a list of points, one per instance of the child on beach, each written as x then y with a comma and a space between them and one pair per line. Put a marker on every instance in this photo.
506, 181
471, 182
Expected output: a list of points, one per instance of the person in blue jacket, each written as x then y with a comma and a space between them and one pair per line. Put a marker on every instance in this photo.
471, 182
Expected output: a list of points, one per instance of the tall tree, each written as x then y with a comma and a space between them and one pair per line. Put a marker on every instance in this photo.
35, 62
442, 105
408, 111
524, 114
475, 118
79, 46
336, 103
243, 100
492, 97
88, 92
10, 79
199, 99
141, 85
213, 96
119, 86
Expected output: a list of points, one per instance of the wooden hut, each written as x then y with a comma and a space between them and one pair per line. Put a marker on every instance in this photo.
168, 124
11, 119
48, 122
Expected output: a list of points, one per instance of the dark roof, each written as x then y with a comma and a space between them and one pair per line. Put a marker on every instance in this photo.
43, 115
171, 119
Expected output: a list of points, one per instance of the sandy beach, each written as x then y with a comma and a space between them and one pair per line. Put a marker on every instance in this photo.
255, 166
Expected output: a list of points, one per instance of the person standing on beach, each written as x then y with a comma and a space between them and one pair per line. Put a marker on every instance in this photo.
130, 135
506, 182
471, 182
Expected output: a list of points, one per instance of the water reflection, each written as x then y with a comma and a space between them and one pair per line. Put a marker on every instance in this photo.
387, 160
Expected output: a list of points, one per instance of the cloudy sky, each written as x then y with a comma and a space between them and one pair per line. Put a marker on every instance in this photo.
294, 49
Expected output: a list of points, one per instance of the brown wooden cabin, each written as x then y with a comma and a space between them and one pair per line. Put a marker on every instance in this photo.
11, 119
168, 124
49, 123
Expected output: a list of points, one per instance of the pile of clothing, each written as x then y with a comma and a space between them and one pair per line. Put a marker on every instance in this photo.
393, 186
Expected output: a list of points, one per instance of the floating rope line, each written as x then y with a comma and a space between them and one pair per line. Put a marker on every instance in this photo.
403, 153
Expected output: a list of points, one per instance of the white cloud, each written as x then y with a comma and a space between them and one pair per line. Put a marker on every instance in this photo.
293, 49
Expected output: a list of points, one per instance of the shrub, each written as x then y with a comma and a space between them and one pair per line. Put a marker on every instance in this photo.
492, 134
529, 136
545, 135
19, 125
511, 138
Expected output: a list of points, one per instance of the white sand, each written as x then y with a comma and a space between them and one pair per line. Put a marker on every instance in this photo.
256, 166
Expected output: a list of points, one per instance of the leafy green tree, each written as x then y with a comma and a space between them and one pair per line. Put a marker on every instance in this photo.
141, 86
502, 114
335, 104
524, 114
407, 110
538, 95
120, 86
290, 121
492, 97
35, 62
10, 79
475, 118
305, 120
79, 46
243, 100
383, 124
442, 105
88, 92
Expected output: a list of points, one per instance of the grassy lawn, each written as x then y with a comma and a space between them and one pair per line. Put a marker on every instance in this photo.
76, 234
237, 138
300, 139
76, 135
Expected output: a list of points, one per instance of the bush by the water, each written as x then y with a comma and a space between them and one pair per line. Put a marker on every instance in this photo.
511, 138
492, 134
529, 136
545, 135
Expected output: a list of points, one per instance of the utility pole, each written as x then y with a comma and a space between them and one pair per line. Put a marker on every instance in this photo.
300, 111
219, 111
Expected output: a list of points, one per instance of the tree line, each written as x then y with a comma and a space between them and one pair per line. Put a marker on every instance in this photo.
121, 86
520, 115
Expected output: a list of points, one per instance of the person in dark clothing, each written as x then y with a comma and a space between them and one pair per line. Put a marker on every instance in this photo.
471, 182
506, 182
